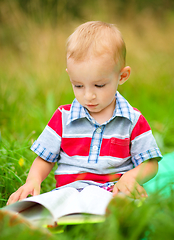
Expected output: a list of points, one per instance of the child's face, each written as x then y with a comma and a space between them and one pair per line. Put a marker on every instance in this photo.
95, 83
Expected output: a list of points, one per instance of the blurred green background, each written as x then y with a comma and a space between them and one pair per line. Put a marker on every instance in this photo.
33, 80
33, 83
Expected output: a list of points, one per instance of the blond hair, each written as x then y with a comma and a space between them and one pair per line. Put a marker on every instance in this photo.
94, 39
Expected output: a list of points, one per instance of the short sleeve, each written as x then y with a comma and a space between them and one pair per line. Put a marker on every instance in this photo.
47, 146
143, 144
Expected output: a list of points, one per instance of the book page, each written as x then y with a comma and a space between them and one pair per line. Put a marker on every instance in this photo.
38, 215
58, 201
55, 202
65, 201
94, 200
91, 200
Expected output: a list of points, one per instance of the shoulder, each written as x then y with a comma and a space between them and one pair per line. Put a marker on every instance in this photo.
56, 120
61, 109
66, 107
140, 125
140, 119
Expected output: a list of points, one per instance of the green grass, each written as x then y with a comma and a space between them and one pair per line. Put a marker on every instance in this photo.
125, 220
33, 83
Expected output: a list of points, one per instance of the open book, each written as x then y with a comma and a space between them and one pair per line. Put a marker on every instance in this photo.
64, 206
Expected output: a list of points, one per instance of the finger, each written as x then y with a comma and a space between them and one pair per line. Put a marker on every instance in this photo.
14, 197
130, 190
141, 191
121, 189
115, 191
138, 192
25, 194
36, 192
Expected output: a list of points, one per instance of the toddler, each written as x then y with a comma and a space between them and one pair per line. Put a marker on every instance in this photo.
99, 139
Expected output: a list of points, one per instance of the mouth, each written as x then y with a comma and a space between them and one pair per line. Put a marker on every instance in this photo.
91, 105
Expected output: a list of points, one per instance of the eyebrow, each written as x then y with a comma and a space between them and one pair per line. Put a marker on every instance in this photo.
95, 82
75, 82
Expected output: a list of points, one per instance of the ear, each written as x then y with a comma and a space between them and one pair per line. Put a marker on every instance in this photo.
124, 75
66, 70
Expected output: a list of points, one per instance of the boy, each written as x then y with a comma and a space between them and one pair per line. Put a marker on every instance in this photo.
99, 139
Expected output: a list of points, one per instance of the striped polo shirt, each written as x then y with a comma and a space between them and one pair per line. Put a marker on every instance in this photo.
88, 151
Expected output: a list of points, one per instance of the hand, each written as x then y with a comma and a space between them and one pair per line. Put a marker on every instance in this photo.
30, 187
129, 186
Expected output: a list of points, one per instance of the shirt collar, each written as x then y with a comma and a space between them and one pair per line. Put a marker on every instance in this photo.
122, 109
76, 111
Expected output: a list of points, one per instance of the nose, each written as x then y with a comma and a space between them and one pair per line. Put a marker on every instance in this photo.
89, 95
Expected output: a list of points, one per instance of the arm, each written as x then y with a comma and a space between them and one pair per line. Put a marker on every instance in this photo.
131, 181
38, 172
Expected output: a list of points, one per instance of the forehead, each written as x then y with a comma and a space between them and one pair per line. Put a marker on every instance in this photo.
94, 69
104, 62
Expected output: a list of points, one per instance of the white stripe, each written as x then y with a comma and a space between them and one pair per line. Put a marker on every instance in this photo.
116, 136
105, 165
145, 134
53, 132
66, 111
101, 158
60, 109
75, 135
81, 135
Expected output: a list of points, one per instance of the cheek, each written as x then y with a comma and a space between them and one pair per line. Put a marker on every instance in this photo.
78, 94
109, 94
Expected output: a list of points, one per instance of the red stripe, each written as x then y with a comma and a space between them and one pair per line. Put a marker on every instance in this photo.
115, 147
65, 107
141, 127
64, 179
56, 121
76, 146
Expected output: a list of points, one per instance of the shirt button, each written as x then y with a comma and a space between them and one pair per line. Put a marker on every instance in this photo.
98, 130
95, 148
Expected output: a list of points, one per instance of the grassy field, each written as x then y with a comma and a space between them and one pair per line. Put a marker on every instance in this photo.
33, 83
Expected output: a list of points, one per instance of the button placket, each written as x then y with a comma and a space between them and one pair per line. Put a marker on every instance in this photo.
99, 130
95, 144
94, 148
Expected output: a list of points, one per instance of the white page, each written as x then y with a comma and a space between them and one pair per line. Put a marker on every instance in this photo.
94, 200
55, 201
38, 215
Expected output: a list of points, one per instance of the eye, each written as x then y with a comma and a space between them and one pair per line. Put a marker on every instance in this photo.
99, 86
78, 86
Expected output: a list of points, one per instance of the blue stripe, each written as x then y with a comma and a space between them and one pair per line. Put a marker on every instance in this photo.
149, 153
41, 154
142, 158
49, 156
119, 107
128, 110
36, 147
55, 158
136, 161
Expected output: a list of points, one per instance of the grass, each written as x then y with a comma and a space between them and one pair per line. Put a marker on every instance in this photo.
33, 83
125, 220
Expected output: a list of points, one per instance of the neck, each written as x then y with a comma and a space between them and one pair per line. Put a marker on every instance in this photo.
104, 115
